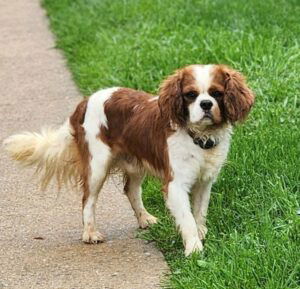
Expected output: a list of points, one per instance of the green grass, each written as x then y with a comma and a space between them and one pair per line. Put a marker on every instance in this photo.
254, 232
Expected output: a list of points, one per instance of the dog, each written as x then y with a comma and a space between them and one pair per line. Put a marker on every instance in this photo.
182, 136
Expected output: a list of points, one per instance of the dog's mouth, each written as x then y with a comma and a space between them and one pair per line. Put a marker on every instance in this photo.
207, 117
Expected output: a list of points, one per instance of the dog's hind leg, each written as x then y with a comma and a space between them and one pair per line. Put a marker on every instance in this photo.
98, 160
98, 169
133, 190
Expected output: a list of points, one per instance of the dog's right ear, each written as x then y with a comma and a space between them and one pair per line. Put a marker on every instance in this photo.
170, 99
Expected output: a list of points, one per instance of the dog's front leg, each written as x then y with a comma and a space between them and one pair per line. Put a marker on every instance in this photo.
179, 205
200, 200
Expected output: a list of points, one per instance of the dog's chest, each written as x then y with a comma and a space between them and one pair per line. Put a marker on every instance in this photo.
190, 161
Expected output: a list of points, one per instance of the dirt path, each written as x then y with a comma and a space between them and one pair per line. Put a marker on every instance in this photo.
40, 244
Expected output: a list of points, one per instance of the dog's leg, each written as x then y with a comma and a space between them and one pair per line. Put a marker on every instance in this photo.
179, 205
133, 190
99, 166
200, 200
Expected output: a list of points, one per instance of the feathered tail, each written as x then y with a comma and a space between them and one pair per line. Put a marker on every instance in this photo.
53, 152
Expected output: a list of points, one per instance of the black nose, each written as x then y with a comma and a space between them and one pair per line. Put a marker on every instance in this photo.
206, 104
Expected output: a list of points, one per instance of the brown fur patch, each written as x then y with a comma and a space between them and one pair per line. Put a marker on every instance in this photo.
76, 120
172, 103
137, 129
238, 98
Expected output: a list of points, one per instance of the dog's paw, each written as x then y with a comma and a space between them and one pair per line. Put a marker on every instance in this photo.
145, 220
92, 237
202, 231
192, 246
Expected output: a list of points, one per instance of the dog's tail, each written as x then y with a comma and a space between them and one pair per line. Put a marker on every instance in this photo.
53, 151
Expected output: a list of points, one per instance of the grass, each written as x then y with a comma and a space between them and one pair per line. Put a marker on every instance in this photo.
254, 232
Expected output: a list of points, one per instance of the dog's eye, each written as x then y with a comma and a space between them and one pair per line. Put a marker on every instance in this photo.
216, 93
191, 94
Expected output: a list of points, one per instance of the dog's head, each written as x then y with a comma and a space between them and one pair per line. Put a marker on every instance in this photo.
206, 95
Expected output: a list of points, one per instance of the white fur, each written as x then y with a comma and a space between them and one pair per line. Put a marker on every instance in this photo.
203, 76
197, 113
200, 199
191, 165
95, 110
179, 205
51, 151
100, 157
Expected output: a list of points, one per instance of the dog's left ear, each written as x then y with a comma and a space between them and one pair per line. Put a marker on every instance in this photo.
238, 98
170, 99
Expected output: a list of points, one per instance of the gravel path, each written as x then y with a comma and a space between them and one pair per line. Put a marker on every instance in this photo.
40, 232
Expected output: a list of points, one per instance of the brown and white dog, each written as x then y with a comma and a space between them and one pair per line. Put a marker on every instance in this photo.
181, 136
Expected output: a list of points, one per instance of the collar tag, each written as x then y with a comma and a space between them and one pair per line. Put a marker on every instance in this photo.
204, 143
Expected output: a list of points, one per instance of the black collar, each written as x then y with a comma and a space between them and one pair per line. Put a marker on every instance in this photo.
203, 142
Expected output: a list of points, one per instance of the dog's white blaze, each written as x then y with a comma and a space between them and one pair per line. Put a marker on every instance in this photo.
203, 76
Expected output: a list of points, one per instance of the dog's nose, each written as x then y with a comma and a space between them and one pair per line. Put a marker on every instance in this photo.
206, 104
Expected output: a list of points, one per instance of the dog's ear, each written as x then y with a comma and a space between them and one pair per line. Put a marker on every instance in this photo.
170, 99
238, 98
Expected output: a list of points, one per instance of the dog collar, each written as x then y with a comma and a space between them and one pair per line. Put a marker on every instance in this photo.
203, 142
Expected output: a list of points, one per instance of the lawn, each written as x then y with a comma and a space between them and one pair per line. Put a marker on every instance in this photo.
254, 232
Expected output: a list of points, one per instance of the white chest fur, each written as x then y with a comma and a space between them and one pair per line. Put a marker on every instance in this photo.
189, 162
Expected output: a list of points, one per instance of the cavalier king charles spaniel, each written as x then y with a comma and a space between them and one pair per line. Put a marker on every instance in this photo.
181, 136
